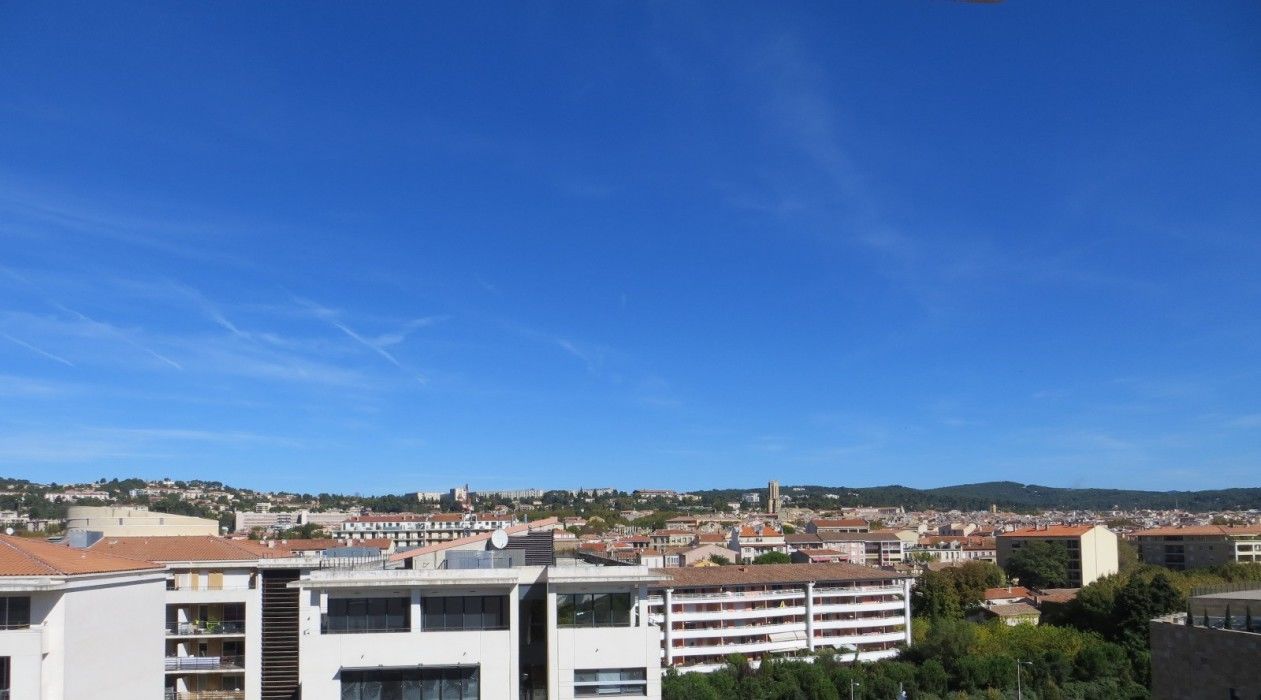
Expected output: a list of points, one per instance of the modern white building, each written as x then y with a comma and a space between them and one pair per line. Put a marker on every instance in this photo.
77, 624
420, 530
467, 619
752, 541
708, 613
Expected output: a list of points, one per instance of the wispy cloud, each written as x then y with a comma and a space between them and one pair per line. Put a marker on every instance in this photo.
39, 351
378, 344
118, 333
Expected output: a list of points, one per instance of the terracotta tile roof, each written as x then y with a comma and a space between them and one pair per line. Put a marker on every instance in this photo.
714, 576
801, 538
1201, 530
446, 518
839, 522
20, 556
764, 531
706, 537
667, 533
1007, 592
188, 548
1050, 531
1013, 610
322, 544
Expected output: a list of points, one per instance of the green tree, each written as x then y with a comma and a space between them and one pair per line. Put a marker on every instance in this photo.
1040, 564
772, 558
936, 597
719, 559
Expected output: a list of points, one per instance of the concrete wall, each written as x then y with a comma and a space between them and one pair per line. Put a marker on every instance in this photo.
1099, 554
133, 522
636, 646
324, 655
112, 638
1195, 662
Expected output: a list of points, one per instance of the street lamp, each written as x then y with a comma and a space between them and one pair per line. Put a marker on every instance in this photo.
1019, 693
853, 684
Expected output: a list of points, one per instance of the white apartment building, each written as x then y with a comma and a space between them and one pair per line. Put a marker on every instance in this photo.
1092, 549
1199, 546
880, 548
282, 520
419, 530
212, 612
77, 624
705, 614
482, 625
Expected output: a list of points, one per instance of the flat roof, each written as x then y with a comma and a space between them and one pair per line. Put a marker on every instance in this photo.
734, 575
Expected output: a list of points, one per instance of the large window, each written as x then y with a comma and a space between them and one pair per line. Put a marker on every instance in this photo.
474, 612
364, 615
593, 609
411, 684
15, 612
610, 682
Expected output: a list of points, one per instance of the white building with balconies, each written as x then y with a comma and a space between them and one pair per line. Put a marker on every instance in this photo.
707, 613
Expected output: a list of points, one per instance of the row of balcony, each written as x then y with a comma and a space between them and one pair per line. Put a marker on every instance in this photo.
172, 694
778, 594
205, 663
203, 628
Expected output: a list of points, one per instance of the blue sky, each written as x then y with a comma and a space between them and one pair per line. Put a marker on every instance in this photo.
324, 246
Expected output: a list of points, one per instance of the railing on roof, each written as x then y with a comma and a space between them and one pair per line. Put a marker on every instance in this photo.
1237, 587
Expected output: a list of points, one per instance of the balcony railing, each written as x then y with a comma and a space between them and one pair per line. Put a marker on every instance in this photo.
172, 694
205, 663
174, 585
198, 628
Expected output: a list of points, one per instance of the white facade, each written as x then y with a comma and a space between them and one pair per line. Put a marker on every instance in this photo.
489, 657
413, 530
702, 623
90, 636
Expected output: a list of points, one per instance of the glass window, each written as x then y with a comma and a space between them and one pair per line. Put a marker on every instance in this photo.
411, 684
588, 610
445, 613
15, 612
610, 682
363, 615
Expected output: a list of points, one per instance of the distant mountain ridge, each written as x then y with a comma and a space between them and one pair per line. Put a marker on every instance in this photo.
1011, 495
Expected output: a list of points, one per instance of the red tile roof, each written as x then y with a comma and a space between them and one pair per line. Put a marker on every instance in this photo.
174, 548
840, 522
1007, 592
20, 556
1050, 531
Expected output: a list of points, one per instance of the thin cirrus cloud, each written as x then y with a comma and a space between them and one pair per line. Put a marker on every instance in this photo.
38, 351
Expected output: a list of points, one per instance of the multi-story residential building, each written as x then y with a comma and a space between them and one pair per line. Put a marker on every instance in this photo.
828, 526
415, 530
1092, 549
1199, 546
78, 624
880, 548
752, 541
282, 520
708, 613
672, 538
957, 549
213, 611
468, 620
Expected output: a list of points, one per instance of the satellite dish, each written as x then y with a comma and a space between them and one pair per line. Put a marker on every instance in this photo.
499, 539
8, 531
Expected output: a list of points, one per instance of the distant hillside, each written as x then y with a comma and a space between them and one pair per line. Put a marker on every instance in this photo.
1009, 495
